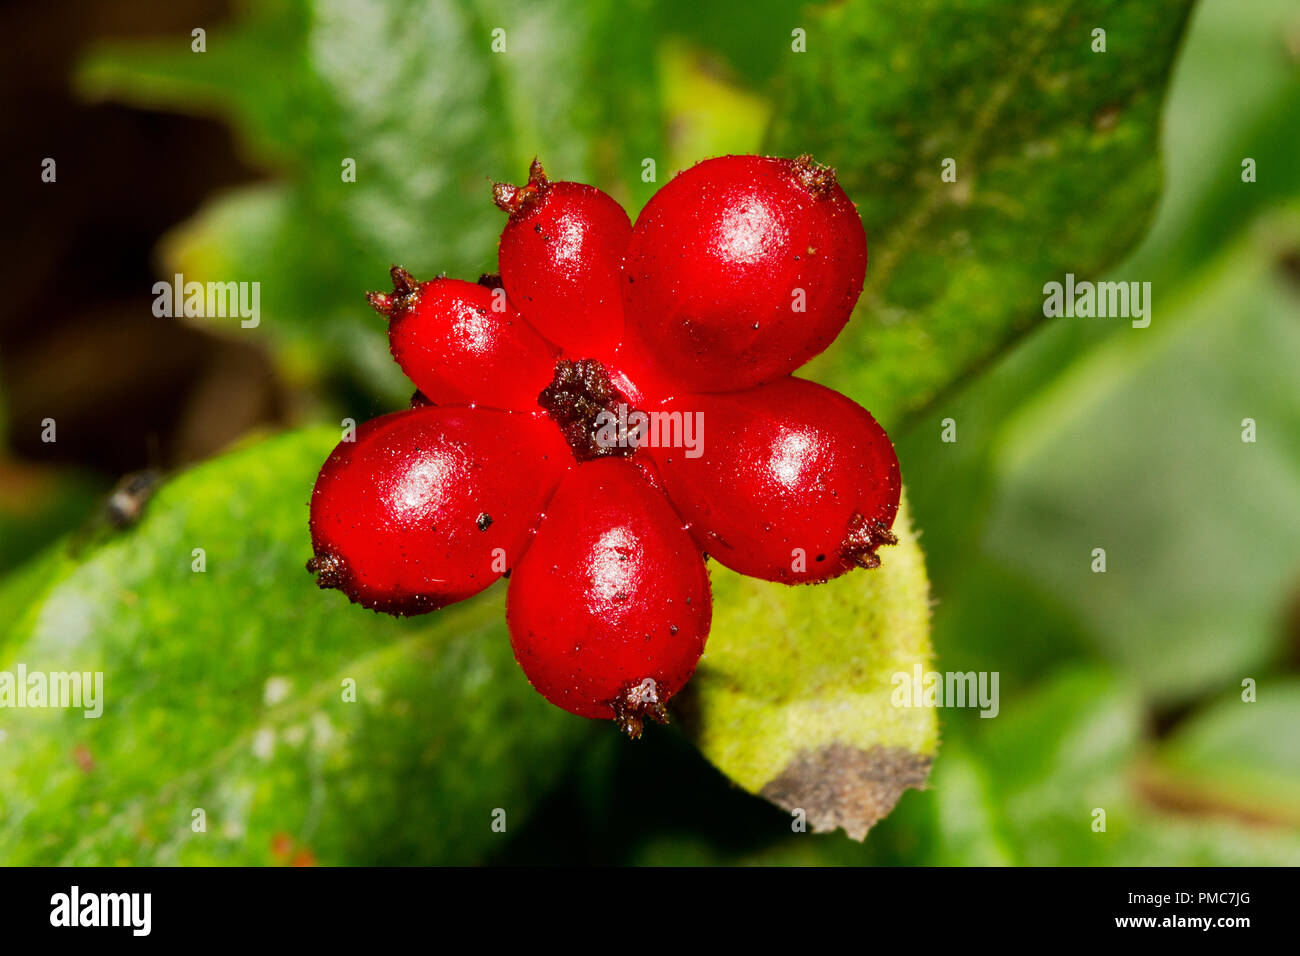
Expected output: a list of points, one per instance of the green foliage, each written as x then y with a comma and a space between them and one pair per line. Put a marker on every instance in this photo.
1235, 95
411, 92
1198, 525
1056, 168
1066, 752
1094, 434
1240, 755
223, 688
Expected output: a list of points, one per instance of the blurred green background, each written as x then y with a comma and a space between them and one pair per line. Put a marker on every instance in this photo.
1119, 690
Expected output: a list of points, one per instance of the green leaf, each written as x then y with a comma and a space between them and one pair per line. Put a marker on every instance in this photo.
710, 115
1073, 748
1237, 757
414, 94
1193, 519
793, 698
749, 47
1235, 95
224, 690
1056, 168
967, 817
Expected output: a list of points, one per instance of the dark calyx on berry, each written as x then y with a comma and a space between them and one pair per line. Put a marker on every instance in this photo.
575, 399
813, 176
515, 200
636, 703
406, 291
328, 569
864, 538
490, 280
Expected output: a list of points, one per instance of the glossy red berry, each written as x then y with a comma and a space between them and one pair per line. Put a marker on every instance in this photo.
561, 256
795, 483
462, 344
742, 268
430, 505
610, 607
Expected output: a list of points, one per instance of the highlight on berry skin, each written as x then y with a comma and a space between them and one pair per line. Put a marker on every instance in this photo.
738, 270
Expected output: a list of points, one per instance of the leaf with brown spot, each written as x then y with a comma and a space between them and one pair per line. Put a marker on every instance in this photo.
842, 786
794, 697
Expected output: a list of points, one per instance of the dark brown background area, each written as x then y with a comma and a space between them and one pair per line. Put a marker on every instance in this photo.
78, 339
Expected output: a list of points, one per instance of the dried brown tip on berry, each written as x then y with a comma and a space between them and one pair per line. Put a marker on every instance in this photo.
576, 398
634, 704
515, 200
406, 290
813, 176
328, 569
403, 282
864, 538
491, 280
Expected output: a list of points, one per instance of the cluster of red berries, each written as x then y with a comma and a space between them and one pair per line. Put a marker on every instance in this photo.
736, 273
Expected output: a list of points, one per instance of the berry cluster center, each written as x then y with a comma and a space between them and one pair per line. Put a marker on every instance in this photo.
580, 400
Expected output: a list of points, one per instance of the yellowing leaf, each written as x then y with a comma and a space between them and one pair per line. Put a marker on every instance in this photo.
794, 697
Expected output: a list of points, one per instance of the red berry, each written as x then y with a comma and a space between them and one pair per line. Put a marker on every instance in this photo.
461, 343
430, 505
561, 254
610, 607
742, 268
786, 466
